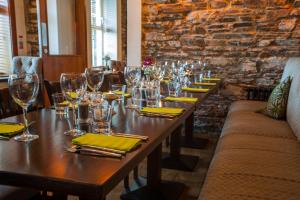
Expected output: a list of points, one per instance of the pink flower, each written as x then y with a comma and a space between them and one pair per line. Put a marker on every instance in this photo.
148, 61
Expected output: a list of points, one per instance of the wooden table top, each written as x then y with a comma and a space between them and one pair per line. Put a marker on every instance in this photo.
44, 163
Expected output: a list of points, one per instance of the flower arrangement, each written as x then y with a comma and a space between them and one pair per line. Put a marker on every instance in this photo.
148, 61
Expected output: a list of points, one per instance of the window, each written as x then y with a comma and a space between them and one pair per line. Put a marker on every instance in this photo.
5, 38
103, 17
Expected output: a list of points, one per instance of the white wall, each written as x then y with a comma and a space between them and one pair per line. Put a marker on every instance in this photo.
134, 32
61, 27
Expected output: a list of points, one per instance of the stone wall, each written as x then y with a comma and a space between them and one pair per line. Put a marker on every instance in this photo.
244, 42
31, 21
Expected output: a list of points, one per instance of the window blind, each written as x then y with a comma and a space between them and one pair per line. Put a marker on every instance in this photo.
5, 41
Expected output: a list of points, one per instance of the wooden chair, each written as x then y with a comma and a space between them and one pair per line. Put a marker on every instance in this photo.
51, 88
8, 107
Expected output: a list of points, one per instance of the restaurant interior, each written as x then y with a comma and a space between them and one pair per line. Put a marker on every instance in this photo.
150, 99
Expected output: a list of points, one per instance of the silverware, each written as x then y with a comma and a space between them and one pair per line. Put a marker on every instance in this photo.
102, 149
126, 135
4, 138
155, 114
96, 152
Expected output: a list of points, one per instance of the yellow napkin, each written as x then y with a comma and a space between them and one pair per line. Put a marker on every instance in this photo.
112, 142
164, 110
73, 95
10, 130
182, 99
195, 89
205, 84
165, 81
211, 79
120, 93
67, 103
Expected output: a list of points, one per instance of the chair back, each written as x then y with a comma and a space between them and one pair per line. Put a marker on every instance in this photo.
51, 88
8, 107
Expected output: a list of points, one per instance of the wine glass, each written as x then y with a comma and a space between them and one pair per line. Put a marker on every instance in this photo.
73, 87
132, 75
24, 89
95, 77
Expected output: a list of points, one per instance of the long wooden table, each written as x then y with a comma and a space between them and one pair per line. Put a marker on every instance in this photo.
44, 164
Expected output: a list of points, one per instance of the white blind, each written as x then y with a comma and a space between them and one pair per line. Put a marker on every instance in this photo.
5, 41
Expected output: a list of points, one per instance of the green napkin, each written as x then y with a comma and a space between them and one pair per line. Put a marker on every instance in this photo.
111, 142
163, 110
211, 79
10, 130
195, 89
182, 99
205, 84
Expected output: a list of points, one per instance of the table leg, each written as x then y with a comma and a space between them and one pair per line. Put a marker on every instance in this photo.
156, 189
188, 140
175, 160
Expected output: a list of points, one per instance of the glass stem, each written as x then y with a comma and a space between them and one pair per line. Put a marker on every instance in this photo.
74, 115
25, 121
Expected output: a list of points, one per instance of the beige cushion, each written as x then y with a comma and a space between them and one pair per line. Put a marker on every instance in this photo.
292, 68
251, 123
260, 143
245, 174
293, 107
247, 106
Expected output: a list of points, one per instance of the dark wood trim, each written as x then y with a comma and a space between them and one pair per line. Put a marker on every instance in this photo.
3, 10
13, 27
81, 30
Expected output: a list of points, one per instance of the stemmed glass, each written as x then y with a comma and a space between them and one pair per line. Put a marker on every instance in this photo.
24, 89
95, 77
73, 87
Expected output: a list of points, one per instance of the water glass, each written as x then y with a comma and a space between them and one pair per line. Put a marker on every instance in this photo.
174, 88
198, 77
95, 77
120, 90
152, 96
138, 97
102, 115
60, 104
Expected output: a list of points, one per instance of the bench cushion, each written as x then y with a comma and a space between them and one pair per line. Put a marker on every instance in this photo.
252, 106
245, 174
252, 123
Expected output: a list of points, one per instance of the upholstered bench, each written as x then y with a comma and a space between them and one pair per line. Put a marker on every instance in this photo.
258, 157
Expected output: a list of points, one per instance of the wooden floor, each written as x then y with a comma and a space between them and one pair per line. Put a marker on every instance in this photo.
193, 180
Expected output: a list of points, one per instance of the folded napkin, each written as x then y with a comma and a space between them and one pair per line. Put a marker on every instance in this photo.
163, 110
73, 95
121, 93
182, 99
211, 79
111, 142
165, 81
205, 84
10, 130
67, 103
195, 89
